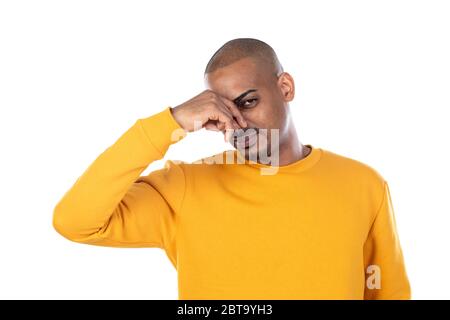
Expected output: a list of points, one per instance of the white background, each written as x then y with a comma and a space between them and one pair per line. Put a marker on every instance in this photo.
372, 83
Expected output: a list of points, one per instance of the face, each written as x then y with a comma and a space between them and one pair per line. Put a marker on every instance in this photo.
262, 98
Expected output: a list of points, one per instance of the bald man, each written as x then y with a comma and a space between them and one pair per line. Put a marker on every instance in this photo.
271, 218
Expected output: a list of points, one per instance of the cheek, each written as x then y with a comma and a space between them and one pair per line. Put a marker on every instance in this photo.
262, 116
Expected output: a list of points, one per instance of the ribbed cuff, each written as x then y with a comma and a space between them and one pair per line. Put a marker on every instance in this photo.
162, 130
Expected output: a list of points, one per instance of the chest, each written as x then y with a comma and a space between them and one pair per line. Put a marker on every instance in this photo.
256, 231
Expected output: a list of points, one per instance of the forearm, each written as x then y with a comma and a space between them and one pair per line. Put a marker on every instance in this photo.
87, 206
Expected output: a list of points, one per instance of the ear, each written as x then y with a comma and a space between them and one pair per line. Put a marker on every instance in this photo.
287, 86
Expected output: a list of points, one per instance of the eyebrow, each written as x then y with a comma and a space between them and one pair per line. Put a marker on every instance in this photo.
242, 95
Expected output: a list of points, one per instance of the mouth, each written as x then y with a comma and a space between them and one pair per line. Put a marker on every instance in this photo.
246, 139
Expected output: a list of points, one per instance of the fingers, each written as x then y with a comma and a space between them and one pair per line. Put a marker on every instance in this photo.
227, 122
220, 118
223, 115
211, 126
226, 111
234, 111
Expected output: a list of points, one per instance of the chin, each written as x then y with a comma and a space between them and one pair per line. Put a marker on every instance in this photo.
253, 153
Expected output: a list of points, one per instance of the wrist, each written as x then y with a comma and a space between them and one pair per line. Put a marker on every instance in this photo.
175, 113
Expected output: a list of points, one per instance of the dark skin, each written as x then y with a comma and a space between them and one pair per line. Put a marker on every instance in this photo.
246, 95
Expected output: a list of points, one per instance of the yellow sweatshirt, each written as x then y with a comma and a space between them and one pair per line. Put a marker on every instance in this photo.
320, 228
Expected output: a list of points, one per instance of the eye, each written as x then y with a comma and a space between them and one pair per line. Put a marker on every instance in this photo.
250, 102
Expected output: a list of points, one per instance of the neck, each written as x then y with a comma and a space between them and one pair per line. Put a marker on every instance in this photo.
292, 150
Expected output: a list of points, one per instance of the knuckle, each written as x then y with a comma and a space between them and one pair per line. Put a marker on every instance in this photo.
210, 94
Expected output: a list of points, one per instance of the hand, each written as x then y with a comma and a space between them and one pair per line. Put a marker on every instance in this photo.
210, 111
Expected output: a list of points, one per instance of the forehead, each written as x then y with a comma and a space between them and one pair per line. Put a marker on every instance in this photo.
232, 80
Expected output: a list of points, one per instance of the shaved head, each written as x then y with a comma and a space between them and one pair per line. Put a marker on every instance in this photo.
234, 50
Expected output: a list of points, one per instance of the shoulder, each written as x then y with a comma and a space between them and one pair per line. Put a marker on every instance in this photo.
352, 169
354, 177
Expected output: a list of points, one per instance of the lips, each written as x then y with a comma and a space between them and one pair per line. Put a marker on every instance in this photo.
246, 139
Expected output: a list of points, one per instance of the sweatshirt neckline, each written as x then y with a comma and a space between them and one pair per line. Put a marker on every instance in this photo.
301, 165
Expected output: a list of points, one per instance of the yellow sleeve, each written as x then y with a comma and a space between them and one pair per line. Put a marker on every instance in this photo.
110, 204
386, 277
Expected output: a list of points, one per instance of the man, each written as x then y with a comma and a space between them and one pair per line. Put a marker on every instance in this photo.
313, 225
